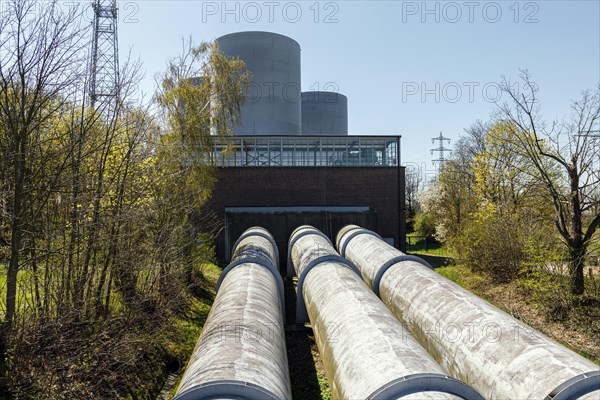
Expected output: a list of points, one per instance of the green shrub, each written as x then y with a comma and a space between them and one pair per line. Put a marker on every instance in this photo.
493, 245
424, 225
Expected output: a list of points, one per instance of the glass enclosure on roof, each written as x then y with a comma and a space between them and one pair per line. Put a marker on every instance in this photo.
307, 151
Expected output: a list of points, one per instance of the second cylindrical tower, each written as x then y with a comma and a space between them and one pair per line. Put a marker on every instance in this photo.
324, 113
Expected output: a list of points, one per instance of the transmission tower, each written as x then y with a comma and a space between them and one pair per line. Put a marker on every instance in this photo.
104, 62
440, 149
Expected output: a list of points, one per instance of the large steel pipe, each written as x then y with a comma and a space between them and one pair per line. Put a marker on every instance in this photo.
241, 353
366, 352
498, 355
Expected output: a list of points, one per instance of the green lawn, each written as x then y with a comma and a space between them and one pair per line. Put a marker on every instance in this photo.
429, 249
416, 244
463, 276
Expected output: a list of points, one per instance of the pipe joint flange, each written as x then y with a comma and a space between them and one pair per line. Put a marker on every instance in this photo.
392, 261
272, 269
264, 234
294, 239
425, 382
227, 389
351, 234
339, 236
576, 387
301, 312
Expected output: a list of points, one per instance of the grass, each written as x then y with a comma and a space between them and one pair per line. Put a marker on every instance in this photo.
464, 277
416, 244
324, 385
429, 249
187, 328
3, 268
177, 343
308, 377
23, 277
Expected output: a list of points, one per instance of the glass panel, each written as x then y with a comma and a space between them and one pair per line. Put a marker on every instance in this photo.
296, 151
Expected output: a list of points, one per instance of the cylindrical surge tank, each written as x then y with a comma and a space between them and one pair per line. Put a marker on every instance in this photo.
241, 353
500, 356
324, 113
366, 351
273, 103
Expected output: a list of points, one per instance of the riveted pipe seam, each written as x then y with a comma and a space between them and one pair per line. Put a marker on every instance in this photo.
351, 235
368, 349
419, 383
260, 234
241, 352
234, 389
342, 231
294, 239
526, 364
383, 269
576, 387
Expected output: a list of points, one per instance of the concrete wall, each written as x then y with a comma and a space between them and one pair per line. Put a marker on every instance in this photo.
379, 189
274, 97
324, 113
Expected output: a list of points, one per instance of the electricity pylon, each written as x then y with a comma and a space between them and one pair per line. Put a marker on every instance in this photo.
104, 62
440, 149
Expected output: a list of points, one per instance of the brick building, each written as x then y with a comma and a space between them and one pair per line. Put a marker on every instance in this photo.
281, 182
292, 162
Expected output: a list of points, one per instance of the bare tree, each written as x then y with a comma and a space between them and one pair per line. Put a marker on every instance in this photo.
414, 180
41, 52
565, 156
95, 206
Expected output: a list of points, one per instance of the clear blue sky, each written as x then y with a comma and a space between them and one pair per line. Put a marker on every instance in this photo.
384, 54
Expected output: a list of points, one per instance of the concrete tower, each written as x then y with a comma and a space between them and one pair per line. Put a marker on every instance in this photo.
324, 113
274, 97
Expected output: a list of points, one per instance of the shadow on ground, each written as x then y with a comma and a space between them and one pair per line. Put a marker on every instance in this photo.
436, 261
300, 347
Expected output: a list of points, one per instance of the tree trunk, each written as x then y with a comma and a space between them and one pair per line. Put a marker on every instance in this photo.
577, 246
16, 226
11, 275
577, 254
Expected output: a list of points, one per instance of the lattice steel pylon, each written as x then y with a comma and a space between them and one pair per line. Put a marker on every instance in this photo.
440, 149
104, 62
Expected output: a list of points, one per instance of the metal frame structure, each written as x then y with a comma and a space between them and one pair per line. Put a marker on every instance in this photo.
306, 151
104, 62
